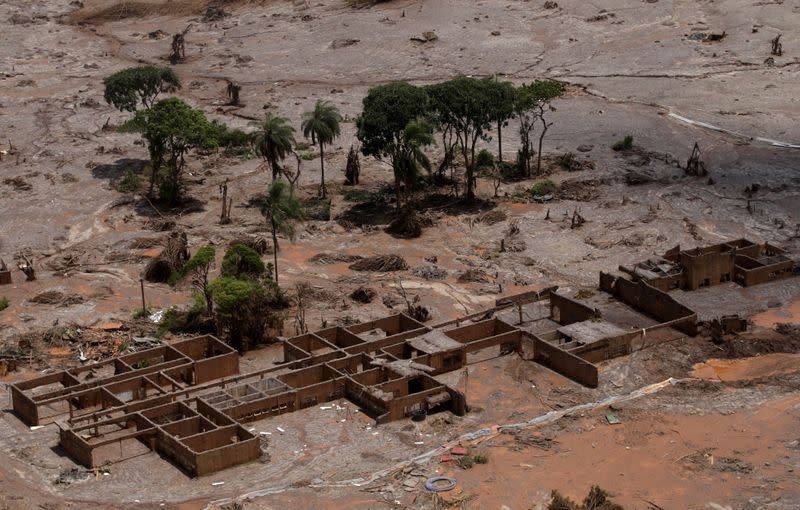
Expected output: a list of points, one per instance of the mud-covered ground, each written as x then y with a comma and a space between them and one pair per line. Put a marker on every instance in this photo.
636, 69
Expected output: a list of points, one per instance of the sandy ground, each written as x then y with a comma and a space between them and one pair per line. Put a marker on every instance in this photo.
634, 72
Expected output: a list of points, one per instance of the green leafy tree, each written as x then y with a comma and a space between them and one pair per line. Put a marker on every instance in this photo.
242, 308
172, 128
198, 268
274, 141
127, 88
242, 262
535, 99
530, 106
465, 105
391, 126
322, 125
502, 93
234, 141
281, 209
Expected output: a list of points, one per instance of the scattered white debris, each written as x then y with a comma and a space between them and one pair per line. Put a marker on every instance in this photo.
265, 433
156, 316
324, 408
217, 483
419, 442
280, 430
36, 427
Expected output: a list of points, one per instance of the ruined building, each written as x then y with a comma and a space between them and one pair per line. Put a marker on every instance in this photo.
188, 401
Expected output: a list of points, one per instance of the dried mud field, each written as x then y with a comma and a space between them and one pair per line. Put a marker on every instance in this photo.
723, 434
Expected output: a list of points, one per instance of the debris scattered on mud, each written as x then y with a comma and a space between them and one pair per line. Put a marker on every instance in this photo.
363, 295
491, 217
343, 43
214, 13
333, 258
18, 183
474, 276
579, 191
634, 178
54, 297
72, 475
380, 264
425, 37
430, 272
408, 224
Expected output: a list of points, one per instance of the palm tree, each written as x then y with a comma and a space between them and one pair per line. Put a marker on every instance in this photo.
281, 209
274, 141
408, 156
322, 125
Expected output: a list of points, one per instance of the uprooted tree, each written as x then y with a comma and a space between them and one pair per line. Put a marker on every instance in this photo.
128, 88
178, 50
391, 126
353, 167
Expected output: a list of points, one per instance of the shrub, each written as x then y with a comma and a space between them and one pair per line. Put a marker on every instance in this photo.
234, 141
597, 499
484, 159
185, 321
465, 462
141, 313
317, 209
130, 182
241, 309
468, 461
241, 261
3, 303
624, 144
566, 160
307, 156
510, 171
542, 188
480, 459
357, 195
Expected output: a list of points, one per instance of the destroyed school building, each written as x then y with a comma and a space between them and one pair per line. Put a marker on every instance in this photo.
188, 401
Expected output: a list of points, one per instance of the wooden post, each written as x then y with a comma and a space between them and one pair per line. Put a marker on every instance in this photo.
466, 386
144, 306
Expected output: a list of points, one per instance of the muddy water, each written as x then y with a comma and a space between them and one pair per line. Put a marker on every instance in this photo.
747, 368
787, 315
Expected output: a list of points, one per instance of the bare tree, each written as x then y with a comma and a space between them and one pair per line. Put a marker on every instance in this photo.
225, 215
233, 93
179, 46
777, 47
